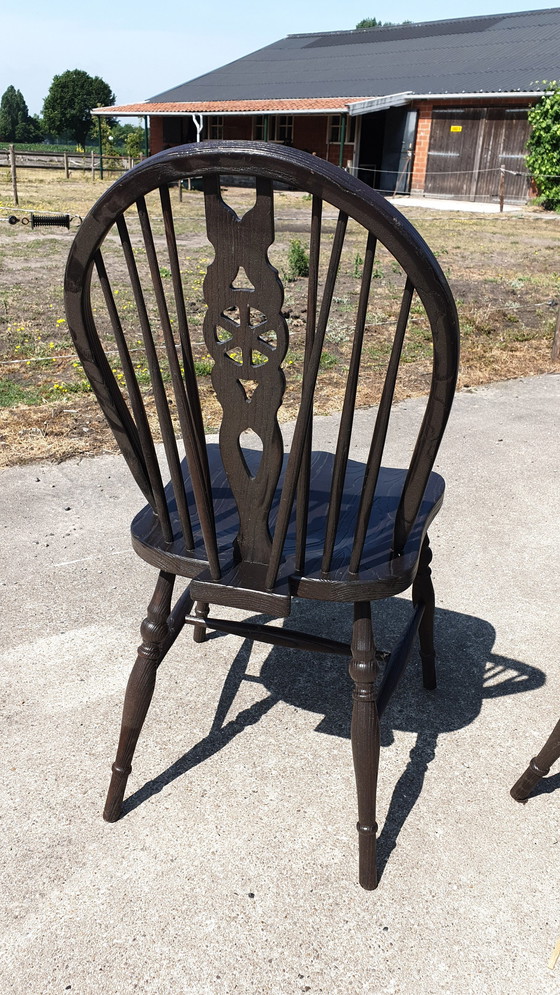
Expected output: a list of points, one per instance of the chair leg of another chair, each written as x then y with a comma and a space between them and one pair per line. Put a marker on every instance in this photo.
423, 593
139, 690
365, 739
539, 766
201, 611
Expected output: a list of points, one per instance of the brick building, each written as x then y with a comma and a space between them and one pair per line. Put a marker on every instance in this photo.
435, 107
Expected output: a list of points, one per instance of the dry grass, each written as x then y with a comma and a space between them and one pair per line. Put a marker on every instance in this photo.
503, 270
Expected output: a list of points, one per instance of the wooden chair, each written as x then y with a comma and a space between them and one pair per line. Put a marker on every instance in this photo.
254, 528
539, 767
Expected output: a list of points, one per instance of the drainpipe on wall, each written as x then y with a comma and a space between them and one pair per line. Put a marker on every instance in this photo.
146, 142
100, 148
342, 137
198, 123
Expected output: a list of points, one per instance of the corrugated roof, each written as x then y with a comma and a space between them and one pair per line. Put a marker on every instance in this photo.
492, 54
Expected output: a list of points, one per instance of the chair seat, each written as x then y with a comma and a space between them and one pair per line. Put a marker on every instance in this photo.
381, 573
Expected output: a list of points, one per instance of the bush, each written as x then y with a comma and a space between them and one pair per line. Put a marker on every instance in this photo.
298, 260
543, 160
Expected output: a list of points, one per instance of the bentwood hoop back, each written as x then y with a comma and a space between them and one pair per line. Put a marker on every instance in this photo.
255, 524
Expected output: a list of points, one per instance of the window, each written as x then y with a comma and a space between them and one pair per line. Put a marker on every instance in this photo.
216, 127
285, 129
335, 129
260, 130
273, 128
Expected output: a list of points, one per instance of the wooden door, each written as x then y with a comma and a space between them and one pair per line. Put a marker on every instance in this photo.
504, 144
452, 152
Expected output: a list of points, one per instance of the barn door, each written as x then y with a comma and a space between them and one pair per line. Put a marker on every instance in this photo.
505, 139
452, 152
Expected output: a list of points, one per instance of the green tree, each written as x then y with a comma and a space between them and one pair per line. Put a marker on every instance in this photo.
368, 22
69, 102
135, 142
13, 114
543, 160
372, 22
29, 131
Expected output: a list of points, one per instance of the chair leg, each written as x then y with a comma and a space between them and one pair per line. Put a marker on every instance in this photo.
365, 739
423, 594
539, 766
201, 610
139, 690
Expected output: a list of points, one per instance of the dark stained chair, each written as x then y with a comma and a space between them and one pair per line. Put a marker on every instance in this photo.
539, 767
253, 528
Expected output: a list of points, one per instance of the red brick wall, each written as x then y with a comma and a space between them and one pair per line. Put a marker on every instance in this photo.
334, 154
310, 133
421, 147
156, 134
238, 128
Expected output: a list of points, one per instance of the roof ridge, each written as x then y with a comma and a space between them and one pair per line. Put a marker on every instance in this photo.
417, 24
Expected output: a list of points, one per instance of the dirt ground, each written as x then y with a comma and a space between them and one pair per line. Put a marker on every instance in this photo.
503, 270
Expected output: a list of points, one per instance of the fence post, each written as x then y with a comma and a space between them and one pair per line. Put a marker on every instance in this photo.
13, 172
66, 172
502, 187
555, 354
92, 166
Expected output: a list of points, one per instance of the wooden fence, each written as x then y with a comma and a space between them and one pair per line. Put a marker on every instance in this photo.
91, 162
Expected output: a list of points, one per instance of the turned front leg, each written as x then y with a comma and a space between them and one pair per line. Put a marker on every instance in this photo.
140, 688
423, 594
365, 740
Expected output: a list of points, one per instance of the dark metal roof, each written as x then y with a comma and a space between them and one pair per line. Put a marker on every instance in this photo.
497, 53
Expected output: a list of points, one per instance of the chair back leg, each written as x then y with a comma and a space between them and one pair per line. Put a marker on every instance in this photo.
539, 766
365, 739
201, 610
423, 594
140, 688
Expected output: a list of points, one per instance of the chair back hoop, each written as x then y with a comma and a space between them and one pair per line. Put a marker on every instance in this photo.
247, 337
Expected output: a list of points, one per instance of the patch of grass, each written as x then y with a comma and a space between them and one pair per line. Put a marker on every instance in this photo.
203, 367
12, 394
327, 361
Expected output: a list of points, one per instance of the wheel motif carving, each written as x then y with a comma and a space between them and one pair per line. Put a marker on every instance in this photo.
247, 337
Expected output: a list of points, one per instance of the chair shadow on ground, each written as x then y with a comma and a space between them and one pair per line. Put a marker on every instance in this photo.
468, 673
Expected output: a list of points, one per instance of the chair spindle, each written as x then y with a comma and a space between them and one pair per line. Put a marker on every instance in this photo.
311, 370
380, 432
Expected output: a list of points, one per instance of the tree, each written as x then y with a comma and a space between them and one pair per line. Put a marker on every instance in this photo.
29, 131
543, 160
372, 22
135, 142
69, 102
368, 22
13, 115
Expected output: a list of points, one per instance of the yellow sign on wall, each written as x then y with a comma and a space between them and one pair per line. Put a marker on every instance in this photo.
456, 127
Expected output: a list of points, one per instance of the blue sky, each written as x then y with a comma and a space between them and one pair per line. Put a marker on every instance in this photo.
141, 48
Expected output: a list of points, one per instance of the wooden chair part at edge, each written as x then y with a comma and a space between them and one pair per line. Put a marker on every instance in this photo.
250, 529
538, 767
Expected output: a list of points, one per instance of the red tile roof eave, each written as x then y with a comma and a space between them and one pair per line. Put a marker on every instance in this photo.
297, 106
318, 105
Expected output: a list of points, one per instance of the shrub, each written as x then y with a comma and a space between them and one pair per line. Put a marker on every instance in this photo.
298, 260
543, 160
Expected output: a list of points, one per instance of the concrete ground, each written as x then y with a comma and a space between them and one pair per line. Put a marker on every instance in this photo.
234, 868
440, 204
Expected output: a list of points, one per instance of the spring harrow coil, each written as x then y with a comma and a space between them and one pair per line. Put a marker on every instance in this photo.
45, 220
